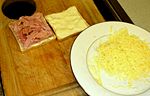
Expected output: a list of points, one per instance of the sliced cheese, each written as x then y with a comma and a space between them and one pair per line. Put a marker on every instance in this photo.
67, 22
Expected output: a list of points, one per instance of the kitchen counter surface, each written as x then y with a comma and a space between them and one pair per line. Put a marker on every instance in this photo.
138, 11
45, 70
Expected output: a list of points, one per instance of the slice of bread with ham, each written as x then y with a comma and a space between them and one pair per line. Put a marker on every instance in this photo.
31, 31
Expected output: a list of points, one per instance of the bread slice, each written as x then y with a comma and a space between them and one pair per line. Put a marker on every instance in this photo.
67, 22
31, 31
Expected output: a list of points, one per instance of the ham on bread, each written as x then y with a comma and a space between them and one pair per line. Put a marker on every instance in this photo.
30, 30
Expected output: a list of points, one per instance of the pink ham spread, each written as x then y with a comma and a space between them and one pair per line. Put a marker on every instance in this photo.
31, 29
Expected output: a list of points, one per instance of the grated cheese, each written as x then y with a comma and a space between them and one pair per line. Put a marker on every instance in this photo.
124, 56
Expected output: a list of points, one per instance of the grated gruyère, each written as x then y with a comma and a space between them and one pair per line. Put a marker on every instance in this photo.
124, 56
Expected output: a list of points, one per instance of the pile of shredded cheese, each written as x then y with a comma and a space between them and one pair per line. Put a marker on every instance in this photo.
124, 56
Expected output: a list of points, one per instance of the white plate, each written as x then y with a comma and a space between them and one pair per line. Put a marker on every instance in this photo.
81, 46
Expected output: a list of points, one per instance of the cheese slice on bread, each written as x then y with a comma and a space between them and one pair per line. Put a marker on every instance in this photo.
67, 22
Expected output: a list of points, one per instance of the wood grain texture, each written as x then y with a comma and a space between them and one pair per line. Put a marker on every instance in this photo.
44, 70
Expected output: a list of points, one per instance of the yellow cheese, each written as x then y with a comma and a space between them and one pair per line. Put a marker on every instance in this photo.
67, 22
124, 56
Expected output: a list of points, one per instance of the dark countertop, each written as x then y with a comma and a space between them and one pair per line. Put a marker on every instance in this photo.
1, 90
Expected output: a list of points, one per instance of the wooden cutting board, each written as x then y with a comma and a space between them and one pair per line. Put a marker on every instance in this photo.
44, 70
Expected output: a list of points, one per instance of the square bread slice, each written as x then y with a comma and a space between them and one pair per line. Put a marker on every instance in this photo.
31, 31
67, 22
